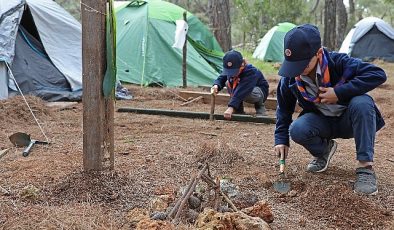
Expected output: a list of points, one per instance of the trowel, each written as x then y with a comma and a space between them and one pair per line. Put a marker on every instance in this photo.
282, 185
23, 140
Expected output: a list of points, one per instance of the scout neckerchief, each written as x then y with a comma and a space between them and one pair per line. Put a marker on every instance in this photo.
323, 79
233, 84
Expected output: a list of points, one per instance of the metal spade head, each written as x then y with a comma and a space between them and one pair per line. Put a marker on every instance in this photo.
282, 186
20, 139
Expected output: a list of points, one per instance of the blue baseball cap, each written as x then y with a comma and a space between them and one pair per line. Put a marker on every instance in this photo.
232, 62
300, 44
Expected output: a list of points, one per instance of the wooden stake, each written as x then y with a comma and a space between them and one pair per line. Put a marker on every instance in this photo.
98, 112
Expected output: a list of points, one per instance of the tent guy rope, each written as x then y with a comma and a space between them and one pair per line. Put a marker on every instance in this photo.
24, 98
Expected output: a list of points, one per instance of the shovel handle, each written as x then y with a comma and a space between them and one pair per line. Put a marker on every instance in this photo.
282, 163
26, 151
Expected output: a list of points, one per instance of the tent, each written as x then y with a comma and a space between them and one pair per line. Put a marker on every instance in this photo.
369, 39
41, 45
270, 47
145, 35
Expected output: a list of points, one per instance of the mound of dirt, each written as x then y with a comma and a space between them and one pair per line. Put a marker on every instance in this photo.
15, 110
109, 188
344, 210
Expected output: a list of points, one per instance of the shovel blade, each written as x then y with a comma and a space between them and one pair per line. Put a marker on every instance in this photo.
20, 139
282, 186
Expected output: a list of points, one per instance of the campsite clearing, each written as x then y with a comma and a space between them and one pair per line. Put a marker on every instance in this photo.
156, 155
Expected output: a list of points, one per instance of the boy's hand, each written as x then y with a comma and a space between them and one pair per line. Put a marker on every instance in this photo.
281, 149
227, 114
327, 95
215, 89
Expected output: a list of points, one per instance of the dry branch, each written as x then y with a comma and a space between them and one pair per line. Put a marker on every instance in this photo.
191, 101
190, 192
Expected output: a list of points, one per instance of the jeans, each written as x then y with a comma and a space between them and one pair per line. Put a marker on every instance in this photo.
255, 96
314, 131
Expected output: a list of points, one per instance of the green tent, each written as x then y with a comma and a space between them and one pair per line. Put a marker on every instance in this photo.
270, 47
145, 35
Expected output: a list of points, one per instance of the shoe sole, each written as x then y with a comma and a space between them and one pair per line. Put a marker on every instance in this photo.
333, 150
371, 194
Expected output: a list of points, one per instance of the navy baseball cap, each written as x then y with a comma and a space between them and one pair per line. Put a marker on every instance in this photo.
300, 44
232, 62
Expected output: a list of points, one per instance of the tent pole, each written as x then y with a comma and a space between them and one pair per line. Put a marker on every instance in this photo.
184, 78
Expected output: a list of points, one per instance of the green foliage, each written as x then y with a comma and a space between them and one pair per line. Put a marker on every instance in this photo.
266, 67
72, 6
251, 19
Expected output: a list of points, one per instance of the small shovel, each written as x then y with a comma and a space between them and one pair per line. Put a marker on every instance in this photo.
282, 186
23, 140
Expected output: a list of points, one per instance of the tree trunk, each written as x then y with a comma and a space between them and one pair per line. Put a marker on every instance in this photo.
341, 22
219, 16
352, 13
330, 24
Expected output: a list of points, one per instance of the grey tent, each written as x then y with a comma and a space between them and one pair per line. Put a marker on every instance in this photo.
41, 43
371, 38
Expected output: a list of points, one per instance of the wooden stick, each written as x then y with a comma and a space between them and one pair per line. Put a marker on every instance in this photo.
209, 181
191, 101
210, 134
178, 203
3, 152
223, 194
217, 195
212, 112
184, 200
229, 201
4, 191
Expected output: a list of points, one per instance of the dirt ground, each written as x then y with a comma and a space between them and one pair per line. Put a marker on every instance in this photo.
49, 190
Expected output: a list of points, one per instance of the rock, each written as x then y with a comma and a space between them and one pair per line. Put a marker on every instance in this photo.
245, 222
191, 215
209, 219
229, 188
30, 192
245, 200
225, 209
260, 209
158, 216
147, 224
135, 215
292, 193
159, 203
194, 202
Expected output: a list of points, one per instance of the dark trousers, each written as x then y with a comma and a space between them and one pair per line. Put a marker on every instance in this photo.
313, 131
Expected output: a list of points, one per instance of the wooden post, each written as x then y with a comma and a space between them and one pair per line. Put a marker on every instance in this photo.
184, 78
98, 112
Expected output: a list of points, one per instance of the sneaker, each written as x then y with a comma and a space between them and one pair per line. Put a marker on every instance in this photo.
320, 164
365, 182
260, 109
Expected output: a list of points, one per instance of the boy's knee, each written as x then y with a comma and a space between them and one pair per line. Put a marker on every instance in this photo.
363, 103
298, 132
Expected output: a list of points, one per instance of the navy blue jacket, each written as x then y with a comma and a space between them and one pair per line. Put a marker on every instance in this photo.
364, 77
248, 79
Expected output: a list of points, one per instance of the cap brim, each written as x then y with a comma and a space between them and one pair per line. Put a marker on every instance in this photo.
293, 69
230, 72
